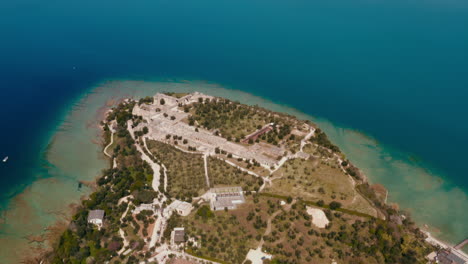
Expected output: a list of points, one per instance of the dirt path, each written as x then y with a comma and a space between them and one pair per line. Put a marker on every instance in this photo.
154, 166
111, 142
205, 161
268, 229
121, 232
307, 137
165, 177
161, 220
265, 179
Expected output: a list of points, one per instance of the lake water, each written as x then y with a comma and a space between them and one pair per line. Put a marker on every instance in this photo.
397, 71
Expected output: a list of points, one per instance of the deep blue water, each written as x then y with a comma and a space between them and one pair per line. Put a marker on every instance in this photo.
397, 70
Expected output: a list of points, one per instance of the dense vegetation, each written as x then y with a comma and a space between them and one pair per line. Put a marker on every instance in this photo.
347, 239
83, 242
322, 139
146, 100
176, 95
234, 121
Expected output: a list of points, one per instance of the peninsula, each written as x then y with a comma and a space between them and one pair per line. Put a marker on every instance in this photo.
199, 179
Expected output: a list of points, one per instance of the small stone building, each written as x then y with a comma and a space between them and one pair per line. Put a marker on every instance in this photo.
144, 207
182, 208
178, 236
96, 217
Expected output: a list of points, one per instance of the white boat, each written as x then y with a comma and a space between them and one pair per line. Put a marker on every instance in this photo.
5, 159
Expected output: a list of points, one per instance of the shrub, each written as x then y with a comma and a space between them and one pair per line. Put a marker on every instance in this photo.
205, 212
334, 205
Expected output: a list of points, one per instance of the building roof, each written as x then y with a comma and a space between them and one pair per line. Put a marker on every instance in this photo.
455, 259
431, 256
448, 257
258, 133
96, 214
226, 190
223, 203
226, 197
179, 234
143, 207
180, 205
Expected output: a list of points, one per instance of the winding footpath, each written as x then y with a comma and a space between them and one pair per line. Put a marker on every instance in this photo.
111, 142
162, 165
114, 161
122, 233
156, 168
162, 216
123, 199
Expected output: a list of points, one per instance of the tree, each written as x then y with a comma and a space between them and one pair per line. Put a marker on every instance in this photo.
205, 212
145, 196
147, 100
162, 102
334, 205
191, 121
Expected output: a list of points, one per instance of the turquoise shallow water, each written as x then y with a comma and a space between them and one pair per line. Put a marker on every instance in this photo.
397, 71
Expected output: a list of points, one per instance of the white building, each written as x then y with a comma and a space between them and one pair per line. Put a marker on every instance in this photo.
144, 207
96, 217
182, 208
226, 197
